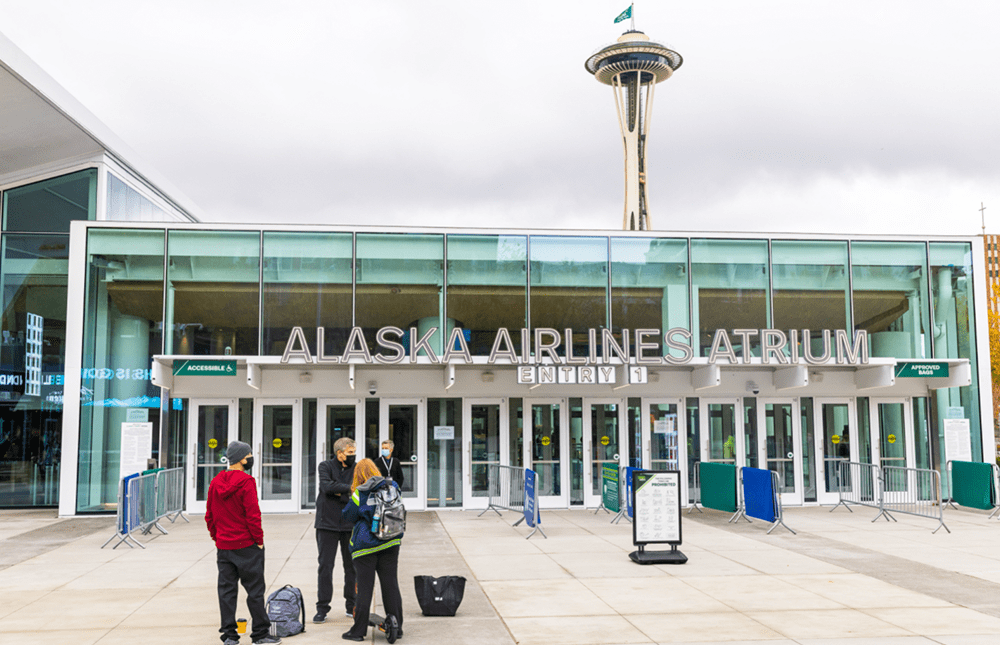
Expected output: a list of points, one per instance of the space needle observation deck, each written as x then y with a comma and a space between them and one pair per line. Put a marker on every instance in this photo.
632, 67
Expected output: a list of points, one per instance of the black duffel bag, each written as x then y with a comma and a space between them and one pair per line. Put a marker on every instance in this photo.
439, 596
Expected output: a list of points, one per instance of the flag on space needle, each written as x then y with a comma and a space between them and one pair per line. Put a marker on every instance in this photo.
625, 15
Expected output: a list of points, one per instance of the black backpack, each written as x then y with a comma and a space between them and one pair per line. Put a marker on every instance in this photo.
390, 511
286, 611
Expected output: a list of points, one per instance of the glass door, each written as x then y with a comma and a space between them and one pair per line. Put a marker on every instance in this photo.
722, 431
546, 440
211, 426
337, 418
664, 439
404, 422
486, 443
277, 431
892, 445
603, 443
781, 445
835, 432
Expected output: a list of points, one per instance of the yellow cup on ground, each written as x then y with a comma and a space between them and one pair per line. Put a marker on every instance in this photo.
241, 626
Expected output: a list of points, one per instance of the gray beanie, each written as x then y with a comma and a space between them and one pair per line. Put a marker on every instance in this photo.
237, 452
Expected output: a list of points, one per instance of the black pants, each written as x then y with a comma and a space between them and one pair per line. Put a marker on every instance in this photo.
385, 563
245, 566
326, 543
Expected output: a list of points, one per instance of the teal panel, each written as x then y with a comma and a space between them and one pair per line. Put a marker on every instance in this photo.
718, 486
972, 484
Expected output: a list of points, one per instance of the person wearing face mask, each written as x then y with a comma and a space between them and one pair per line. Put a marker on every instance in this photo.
332, 531
232, 514
388, 465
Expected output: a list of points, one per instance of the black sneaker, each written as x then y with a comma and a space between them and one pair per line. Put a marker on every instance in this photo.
267, 640
348, 636
230, 641
320, 617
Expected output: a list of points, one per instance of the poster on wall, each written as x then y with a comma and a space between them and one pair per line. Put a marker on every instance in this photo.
137, 447
957, 440
656, 500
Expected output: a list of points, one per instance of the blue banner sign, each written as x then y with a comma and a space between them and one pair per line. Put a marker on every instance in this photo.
628, 490
530, 499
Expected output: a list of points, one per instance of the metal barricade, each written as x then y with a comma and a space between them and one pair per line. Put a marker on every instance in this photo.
996, 491
127, 519
506, 489
856, 483
145, 499
913, 491
623, 500
170, 494
695, 492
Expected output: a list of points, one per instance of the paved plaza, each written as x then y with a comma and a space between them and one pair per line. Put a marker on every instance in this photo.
842, 580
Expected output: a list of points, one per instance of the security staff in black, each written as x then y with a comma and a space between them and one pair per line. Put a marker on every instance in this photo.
388, 465
332, 530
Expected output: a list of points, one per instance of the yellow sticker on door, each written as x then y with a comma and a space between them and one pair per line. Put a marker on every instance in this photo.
605, 441
891, 438
546, 441
835, 438
213, 443
277, 442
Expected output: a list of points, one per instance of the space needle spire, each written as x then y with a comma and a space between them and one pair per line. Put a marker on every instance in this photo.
633, 66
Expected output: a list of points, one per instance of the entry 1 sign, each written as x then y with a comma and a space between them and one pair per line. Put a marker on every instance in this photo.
656, 500
205, 368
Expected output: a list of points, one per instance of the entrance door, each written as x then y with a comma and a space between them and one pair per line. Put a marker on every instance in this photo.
337, 418
486, 443
604, 442
277, 442
836, 429
546, 442
404, 422
211, 426
664, 438
892, 443
780, 441
722, 431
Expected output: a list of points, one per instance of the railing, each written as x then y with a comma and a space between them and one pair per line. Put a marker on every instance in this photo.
145, 499
890, 489
695, 492
506, 489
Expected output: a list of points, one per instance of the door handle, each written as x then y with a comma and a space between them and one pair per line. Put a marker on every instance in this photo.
194, 466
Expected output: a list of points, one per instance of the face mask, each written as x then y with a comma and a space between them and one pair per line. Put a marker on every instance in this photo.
249, 465
385, 452
349, 460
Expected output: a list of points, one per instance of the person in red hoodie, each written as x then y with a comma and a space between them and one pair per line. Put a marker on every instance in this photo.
233, 518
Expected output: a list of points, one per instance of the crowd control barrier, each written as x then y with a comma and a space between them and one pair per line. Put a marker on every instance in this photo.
892, 489
695, 490
506, 489
531, 513
718, 487
624, 494
974, 484
761, 497
145, 499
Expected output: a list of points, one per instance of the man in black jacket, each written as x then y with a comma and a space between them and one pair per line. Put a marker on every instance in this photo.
388, 465
335, 477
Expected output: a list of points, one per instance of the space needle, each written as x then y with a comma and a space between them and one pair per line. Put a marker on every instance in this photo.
633, 66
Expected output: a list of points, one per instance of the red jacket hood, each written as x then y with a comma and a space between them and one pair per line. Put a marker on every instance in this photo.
229, 482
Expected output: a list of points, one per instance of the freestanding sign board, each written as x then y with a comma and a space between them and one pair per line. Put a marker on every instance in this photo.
531, 513
656, 502
610, 495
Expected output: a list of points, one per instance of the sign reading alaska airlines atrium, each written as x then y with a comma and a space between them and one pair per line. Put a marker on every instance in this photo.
539, 361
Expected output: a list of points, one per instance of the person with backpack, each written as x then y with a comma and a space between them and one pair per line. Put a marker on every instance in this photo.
376, 502
332, 531
232, 514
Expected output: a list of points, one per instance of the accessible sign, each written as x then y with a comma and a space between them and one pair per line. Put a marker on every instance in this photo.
205, 368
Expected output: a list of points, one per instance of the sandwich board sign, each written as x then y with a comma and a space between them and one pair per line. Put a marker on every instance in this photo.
656, 504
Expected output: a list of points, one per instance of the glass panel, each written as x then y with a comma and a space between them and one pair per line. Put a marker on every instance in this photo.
400, 281
176, 447
955, 337
808, 453
123, 313
729, 282
485, 445
125, 204
278, 452
444, 456
213, 439
750, 431
922, 448
545, 453
213, 291
864, 431
693, 411
722, 432
50, 205
32, 355
633, 417
307, 283
575, 451
569, 286
245, 422
403, 434
836, 443
516, 438
649, 287
781, 444
341, 422
488, 287
893, 442
372, 442
604, 441
308, 456
810, 285
890, 297
663, 436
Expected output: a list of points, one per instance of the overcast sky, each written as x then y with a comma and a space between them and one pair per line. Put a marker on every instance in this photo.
802, 115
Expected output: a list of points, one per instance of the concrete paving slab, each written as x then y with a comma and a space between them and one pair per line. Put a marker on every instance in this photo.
760, 593
931, 621
57, 637
829, 623
702, 628
858, 591
521, 598
578, 630
666, 594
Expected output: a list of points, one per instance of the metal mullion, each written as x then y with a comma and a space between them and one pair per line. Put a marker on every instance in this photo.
607, 297
443, 309
770, 291
690, 287
930, 297
354, 279
527, 290
850, 284
260, 294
